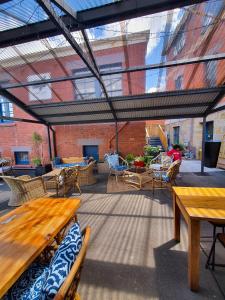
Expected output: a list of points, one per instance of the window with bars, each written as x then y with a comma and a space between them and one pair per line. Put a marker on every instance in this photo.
179, 43
210, 73
179, 82
211, 10
6, 109
89, 88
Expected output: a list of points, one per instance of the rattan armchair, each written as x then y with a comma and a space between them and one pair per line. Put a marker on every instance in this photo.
68, 290
6, 166
86, 176
166, 179
24, 188
64, 182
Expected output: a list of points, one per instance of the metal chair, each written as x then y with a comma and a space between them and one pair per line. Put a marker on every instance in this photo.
115, 167
211, 258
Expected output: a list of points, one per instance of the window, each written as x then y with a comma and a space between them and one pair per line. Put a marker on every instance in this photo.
210, 72
89, 88
6, 109
211, 10
179, 82
176, 134
209, 131
42, 91
179, 43
21, 157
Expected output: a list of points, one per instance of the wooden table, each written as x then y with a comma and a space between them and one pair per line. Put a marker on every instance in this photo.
196, 204
26, 231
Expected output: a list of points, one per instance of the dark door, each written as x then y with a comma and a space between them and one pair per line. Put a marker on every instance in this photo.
209, 131
176, 134
91, 151
21, 158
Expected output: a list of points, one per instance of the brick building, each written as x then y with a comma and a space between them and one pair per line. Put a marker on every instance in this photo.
72, 140
199, 34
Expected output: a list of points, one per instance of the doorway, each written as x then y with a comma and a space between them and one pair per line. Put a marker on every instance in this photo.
91, 151
176, 134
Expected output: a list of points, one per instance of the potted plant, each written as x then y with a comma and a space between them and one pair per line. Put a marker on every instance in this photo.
151, 150
37, 148
130, 158
139, 161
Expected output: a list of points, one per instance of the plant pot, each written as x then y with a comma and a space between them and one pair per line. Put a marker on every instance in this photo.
139, 164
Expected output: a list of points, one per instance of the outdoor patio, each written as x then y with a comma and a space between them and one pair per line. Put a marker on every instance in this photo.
132, 254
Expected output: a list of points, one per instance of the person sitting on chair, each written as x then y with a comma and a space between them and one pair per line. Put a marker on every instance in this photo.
175, 152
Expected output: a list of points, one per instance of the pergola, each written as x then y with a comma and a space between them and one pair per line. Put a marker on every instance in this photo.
71, 23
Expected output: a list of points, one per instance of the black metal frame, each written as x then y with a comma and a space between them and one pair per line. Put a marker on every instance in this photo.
113, 12
169, 64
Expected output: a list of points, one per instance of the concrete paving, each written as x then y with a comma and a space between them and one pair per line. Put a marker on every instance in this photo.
132, 254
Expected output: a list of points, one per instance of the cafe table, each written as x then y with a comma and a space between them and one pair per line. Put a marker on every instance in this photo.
26, 231
196, 204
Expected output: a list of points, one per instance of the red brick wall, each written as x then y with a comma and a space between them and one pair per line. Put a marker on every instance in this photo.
131, 137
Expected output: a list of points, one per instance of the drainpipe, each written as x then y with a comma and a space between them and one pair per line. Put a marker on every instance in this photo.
49, 143
117, 133
203, 144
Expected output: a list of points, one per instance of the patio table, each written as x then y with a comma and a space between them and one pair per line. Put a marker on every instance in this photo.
196, 204
53, 173
137, 176
26, 231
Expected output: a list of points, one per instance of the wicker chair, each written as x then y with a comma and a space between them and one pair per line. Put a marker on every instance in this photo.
68, 290
64, 182
6, 166
86, 176
117, 165
166, 179
161, 162
24, 188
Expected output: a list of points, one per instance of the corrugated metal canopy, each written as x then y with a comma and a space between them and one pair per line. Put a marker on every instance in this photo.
161, 105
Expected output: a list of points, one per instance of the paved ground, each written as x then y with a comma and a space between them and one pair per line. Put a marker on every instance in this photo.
132, 254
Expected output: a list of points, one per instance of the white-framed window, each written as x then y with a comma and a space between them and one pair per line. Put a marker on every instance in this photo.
42, 91
179, 82
89, 88
179, 43
211, 10
6, 109
210, 73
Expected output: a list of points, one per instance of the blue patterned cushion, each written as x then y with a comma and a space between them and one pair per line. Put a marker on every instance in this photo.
165, 178
62, 261
29, 285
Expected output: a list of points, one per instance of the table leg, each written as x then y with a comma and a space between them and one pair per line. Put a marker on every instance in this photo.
193, 254
176, 212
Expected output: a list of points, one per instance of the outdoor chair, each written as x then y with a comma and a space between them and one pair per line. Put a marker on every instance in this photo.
211, 258
58, 279
24, 188
166, 179
115, 167
161, 162
64, 182
86, 176
6, 166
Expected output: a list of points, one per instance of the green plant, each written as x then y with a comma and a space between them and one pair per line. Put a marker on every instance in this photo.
36, 161
151, 150
148, 158
139, 158
129, 158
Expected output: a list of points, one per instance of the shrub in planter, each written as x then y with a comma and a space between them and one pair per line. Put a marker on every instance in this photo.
148, 158
151, 150
129, 158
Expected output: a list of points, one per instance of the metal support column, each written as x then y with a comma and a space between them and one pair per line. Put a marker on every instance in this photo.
117, 140
203, 144
54, 141
49, 143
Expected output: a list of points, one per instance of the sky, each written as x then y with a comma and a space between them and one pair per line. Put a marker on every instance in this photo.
155, 24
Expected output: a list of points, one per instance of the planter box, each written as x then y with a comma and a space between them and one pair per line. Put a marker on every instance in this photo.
140, 164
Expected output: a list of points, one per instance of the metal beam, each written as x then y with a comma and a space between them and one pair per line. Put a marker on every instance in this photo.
20, 120
100, 112
47, 7
54, 141
20, 104
217, 109
106, 14
49, 143
215, 101
203, 144
130, 119
117, 137
174, 63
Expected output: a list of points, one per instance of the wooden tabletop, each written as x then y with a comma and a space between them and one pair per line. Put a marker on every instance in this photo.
26, 231
202, 203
